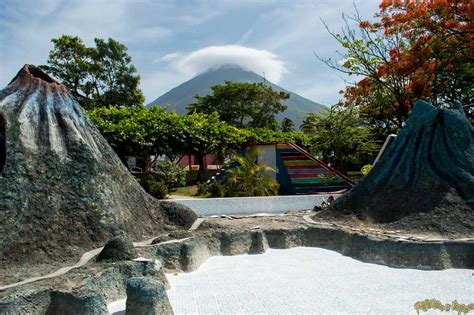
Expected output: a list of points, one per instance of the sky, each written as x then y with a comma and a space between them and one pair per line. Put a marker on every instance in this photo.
173, 41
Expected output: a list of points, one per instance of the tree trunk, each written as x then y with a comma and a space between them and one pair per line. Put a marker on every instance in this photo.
202, 168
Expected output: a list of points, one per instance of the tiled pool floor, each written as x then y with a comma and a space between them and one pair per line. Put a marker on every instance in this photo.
306, 280
311, 280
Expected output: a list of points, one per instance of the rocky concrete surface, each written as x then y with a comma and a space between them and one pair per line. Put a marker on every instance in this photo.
117, 249
237, 236
63, 190
146, 297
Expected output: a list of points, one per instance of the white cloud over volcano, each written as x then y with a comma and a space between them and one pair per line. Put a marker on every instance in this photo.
258, 61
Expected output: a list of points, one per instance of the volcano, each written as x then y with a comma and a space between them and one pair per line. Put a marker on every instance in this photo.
425, 175
62, 188
181, 96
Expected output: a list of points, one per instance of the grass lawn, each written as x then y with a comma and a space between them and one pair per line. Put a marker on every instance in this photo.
190, 191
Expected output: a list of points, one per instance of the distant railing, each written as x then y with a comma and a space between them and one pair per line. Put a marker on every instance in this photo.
310, 156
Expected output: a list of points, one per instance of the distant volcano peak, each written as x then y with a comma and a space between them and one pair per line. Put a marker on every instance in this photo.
227, 66
181, 96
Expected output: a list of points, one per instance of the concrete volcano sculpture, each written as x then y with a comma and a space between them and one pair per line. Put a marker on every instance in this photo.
428, 168
62, 188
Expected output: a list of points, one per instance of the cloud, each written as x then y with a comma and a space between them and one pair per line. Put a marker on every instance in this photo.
283, 36
202, 15
148, 34
169, 57
258, 61
245, 37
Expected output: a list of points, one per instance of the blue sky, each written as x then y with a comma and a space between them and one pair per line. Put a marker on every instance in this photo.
172, 41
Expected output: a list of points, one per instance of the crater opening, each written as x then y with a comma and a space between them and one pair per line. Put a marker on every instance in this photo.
3, 142
40, 74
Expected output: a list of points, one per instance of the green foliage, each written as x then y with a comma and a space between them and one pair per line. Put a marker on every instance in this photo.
242, 104
202, 189
154, 185
410, 51
97, 76
250, 178
287, 125
158, 189
339, 136
171, 174
204, 134
141, 131
215, 189
136, 131
366, 169
191, 191
260, 135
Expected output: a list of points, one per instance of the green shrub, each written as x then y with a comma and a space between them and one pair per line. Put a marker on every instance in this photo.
158, 189
154, 185
163, 179
171, 174
366, 169
212, 189
202, 189
216, 189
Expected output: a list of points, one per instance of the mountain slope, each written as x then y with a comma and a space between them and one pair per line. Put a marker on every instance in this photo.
183, 95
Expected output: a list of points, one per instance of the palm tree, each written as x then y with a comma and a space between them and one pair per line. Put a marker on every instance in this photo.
250, 178
287, 125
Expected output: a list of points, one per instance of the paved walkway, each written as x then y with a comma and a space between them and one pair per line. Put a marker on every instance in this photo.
85, 259
311, 280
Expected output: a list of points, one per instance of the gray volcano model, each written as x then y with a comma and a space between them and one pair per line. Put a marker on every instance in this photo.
62, 188
183, 95
428, 169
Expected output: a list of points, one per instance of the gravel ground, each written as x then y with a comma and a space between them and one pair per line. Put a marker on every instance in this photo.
311, 280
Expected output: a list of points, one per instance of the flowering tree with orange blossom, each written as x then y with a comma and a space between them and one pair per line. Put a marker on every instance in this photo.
412, 50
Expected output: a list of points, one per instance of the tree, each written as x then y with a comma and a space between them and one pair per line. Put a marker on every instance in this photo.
242, 104
204, 134
251, 136
250, 178
421, 50
441, 46
339, 136
136, 131
142, 132
287, 125
96, 76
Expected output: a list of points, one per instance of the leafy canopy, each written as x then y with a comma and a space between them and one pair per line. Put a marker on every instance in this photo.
242, 104
339, 136
148, 131
287, 125
414, 50
153, 131
97, 76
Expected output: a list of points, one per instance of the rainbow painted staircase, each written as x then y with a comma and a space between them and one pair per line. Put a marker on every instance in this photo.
301, 173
